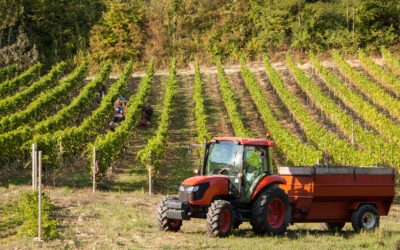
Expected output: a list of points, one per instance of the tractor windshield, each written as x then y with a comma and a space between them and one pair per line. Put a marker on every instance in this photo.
224, 158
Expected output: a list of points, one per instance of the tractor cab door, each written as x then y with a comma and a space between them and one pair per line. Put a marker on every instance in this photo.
255, 167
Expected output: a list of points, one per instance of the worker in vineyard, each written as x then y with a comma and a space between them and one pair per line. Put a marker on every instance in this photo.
147, 113
100, 94
119, 112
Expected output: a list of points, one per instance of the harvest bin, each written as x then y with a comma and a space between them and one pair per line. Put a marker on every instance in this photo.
332, 194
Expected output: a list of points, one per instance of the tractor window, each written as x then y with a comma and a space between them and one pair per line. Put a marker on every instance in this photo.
224, 158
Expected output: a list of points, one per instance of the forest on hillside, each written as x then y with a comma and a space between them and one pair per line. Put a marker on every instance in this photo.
119, 30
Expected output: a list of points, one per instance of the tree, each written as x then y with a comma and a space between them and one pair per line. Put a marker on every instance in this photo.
120, 35
21, 52
10, 13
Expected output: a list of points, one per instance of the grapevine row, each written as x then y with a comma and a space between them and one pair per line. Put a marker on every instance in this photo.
8, 73
45, 103
108, 146
230, 103
391, 61
78, 105
377, 95
157, 145
369, 142
12, 86
21, 99
74, 140
291, 146
384, 126
387, 79
341, 151
24, 134
199, 110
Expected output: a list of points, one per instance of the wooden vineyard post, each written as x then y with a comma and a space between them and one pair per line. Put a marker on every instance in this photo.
34, 167
150, 184
94, 170
39, 238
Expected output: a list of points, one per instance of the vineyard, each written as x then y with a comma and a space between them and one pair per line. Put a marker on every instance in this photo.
338, 113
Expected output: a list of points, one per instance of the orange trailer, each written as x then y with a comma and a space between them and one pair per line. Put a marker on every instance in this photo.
336, 195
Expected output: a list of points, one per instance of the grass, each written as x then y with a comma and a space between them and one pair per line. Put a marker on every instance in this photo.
115, 218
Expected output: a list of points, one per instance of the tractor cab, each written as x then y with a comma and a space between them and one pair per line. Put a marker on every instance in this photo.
243, 161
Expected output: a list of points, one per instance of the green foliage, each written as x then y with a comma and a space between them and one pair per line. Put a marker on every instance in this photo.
8, 73
28, 208
13, 142
387, 152
60, 29
339, 150
121, 30
157, 145
199, 110
230, 104
12, 86
383, 125
120, 34
387, 79
294, 150
374, 92
75, 139
108, 146
46, 102
21, 99
378, 22
391, 61
78, 105
20, 217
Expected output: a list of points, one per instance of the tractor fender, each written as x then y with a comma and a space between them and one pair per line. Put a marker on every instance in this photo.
266, 182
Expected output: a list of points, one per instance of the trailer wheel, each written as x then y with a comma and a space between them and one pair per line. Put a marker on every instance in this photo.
165, 224
333, 226
270, 212
219, 219
366, 217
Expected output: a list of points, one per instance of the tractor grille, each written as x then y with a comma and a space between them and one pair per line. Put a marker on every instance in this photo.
193, 196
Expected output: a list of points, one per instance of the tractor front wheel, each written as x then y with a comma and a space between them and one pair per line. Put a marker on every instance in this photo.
270, 212
219, 219
165, 224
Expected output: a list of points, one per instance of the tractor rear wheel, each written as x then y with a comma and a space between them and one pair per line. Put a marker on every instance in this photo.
366, 217
219, 218
333, 226
270, 212
165, 224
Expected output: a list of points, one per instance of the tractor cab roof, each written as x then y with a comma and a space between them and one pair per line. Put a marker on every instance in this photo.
247, 141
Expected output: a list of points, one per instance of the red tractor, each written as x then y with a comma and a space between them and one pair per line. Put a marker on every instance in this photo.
237, 183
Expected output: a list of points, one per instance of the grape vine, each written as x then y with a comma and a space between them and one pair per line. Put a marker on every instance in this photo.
10, 87
157, 145
230, 103
376, 94
341, 152
294, 150
386, 151
109, 146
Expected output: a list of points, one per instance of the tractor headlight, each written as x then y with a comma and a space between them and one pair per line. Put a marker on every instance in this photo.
181, 188
193, 188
